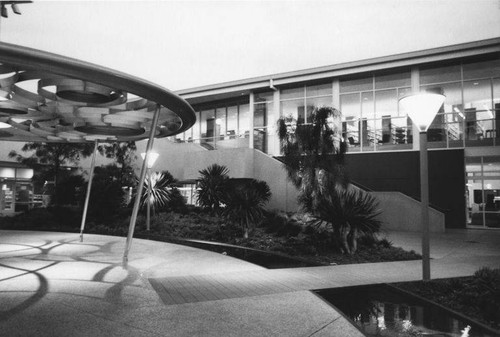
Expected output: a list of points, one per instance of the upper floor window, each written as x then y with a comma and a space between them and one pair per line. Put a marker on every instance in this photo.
300, 102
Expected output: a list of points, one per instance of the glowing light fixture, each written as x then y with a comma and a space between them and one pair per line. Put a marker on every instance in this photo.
422, 108
4, 12
151, 158
15, 9
14, 5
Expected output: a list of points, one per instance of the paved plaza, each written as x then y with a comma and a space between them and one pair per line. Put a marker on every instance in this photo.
51, 284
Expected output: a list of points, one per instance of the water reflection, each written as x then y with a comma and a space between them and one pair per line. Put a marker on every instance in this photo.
382, 311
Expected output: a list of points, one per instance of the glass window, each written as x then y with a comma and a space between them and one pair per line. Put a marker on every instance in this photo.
207, 123
188, 135
319, 90
196, 126
453, 93
179, 138
292, 93
496, 93
24, 173
386, 103
400, 79
403, 92
294, 108
369, 134
362, 84
244, 120
440, 74
477, 94
367, 106
402, 130
350, 106
260, 115
350, 131
232, 121
484, 69
317, 102
220, 123
7, 172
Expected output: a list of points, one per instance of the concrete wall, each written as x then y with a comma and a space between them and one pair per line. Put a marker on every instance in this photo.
270, 170
402, 213
185, 160
400, 171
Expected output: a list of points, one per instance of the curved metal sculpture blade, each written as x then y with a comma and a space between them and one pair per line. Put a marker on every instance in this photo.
52, 98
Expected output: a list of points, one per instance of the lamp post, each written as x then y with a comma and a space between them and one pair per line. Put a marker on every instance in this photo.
151, 161
422, 108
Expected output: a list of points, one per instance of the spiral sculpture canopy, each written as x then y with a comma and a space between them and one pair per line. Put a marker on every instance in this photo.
51, 98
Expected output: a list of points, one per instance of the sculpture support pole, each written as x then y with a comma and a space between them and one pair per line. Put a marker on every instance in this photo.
137, 201
87, 197
148, 213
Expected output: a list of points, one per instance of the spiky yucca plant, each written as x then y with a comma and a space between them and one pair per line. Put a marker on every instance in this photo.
212, 186
162, 189
245, 204
350, 213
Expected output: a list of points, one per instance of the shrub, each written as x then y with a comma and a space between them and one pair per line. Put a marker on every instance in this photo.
162, 191
106, 195
245, 203
212, 186
350, 214
281, 224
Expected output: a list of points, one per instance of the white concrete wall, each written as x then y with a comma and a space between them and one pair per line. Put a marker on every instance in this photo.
185, 160
402, 213
270, 170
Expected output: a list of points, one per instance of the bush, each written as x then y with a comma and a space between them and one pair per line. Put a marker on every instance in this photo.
106, 195
281, 224
57, 218
244, 201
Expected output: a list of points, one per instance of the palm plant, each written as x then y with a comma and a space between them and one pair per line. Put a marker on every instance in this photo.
162, 189
350, 213
212, 186
245, 204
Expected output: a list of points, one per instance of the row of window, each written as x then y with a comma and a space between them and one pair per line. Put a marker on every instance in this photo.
371, 114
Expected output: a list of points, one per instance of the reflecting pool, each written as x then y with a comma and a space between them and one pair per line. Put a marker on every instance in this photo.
382, 310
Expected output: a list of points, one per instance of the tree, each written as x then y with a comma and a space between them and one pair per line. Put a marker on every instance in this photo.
314, 158
349, 212
124, 155
163, 190
48, 158
245, 203
313, 154
212, 186
106, 195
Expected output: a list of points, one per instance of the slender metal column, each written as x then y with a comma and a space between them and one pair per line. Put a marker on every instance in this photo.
137, 201
87, 197
148, 214
424, 195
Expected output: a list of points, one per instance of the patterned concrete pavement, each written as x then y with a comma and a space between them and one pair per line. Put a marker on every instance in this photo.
50, 282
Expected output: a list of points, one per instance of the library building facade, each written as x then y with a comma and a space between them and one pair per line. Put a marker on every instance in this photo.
236, 127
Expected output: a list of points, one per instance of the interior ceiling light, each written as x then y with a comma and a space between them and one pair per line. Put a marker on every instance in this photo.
15, 9
5, 14
78, 101
13, 5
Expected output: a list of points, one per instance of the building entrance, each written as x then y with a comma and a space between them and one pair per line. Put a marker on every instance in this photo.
483, 192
